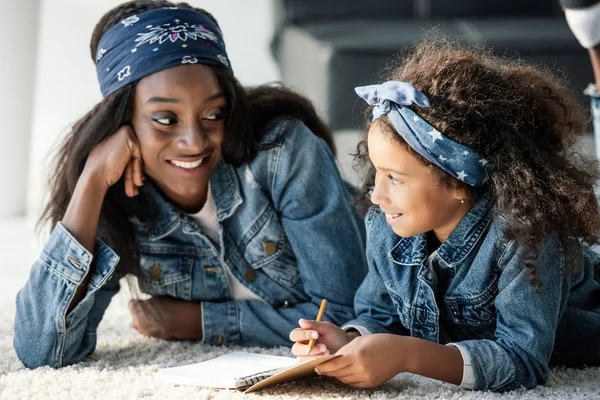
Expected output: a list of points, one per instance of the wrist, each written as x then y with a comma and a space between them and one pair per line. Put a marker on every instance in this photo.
197, 333
352, 334
408, 361
92, 179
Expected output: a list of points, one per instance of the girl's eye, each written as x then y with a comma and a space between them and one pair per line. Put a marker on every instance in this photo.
395, 181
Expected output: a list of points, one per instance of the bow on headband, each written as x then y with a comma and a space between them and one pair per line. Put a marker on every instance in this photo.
392, 98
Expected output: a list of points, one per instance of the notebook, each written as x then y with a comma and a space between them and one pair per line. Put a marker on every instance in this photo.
241, 370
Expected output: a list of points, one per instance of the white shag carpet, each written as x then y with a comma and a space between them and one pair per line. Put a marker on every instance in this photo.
124, 364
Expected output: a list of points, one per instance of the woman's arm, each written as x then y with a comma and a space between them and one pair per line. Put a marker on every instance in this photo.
69, 287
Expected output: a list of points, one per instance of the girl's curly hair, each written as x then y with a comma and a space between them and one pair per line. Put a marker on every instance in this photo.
519, 117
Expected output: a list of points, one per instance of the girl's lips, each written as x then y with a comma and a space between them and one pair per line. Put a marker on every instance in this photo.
391, 218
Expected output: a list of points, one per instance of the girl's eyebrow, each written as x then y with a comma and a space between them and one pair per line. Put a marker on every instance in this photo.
393, 170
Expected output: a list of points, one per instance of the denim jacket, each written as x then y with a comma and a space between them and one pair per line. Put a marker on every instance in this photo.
287, 231
478, 295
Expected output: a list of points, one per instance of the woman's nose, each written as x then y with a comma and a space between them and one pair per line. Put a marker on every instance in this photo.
192, 137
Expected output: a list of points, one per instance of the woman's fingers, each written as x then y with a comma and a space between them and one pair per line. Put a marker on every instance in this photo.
136, 162
130, 188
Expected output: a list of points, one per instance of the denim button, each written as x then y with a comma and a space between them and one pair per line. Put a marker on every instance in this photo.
485, 316
250, 275
155, 272
75, 263
286, 304
429, 276
211, 268
269, 248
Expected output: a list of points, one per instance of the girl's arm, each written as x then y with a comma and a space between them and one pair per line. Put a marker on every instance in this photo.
369, 361
519, 354
527, 320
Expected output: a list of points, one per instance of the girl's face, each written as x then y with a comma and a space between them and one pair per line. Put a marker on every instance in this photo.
179, 120
412, 199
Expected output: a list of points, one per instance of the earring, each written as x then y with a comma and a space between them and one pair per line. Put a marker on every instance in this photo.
462, 201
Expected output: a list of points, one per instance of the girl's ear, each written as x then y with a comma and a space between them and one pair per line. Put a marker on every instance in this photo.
460, 195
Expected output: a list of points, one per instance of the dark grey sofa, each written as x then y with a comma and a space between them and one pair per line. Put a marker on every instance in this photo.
325, 48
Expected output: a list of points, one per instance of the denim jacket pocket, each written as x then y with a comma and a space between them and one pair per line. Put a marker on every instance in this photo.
268, 250
166, 270
478, 310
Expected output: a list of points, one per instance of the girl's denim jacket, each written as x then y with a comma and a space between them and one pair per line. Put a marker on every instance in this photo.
506, 328
288, 231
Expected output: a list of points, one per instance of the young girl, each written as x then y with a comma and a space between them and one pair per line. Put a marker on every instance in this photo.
475, 275
225, 203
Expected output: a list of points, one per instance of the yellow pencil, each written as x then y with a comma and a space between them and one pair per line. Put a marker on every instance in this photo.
311, 343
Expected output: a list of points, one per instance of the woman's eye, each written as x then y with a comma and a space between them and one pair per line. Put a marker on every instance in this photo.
164, 120
215, 116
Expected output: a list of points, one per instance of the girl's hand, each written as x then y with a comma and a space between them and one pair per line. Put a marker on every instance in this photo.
368, 361
167, 318
329, 338
117, 155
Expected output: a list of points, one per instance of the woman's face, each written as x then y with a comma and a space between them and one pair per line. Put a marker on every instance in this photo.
179, 120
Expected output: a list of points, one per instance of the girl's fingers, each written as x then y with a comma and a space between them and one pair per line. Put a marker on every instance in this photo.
299, 335
302, 358
336, 367
301, 349
354, 381
346, 375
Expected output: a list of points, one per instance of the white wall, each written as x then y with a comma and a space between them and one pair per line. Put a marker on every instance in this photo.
66, 86
18, 30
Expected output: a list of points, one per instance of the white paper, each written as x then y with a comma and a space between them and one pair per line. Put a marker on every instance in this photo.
223, 372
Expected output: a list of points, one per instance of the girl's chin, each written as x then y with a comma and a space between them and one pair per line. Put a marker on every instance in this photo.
404, 231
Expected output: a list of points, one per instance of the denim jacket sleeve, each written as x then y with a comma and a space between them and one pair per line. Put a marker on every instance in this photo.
527, 320
375, 310
327, 238
44, 333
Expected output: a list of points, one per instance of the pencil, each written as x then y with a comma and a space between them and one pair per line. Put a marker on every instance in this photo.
311, 342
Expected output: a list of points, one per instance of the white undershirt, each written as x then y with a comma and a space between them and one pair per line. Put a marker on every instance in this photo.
585, 24
207, 219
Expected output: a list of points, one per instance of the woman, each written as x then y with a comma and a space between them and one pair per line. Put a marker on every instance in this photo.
226, 204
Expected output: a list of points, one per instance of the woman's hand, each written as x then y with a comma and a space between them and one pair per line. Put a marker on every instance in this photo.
167, 318
117, 155
368, 361
329, 338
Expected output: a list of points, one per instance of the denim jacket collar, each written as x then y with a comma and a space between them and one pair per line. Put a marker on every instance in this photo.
413, 250
225, 188
167, 217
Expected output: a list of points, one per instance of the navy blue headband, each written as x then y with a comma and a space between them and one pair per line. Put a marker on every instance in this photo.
154, 40
392, 98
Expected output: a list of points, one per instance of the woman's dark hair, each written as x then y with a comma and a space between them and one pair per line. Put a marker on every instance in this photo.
249, 113
520, 118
